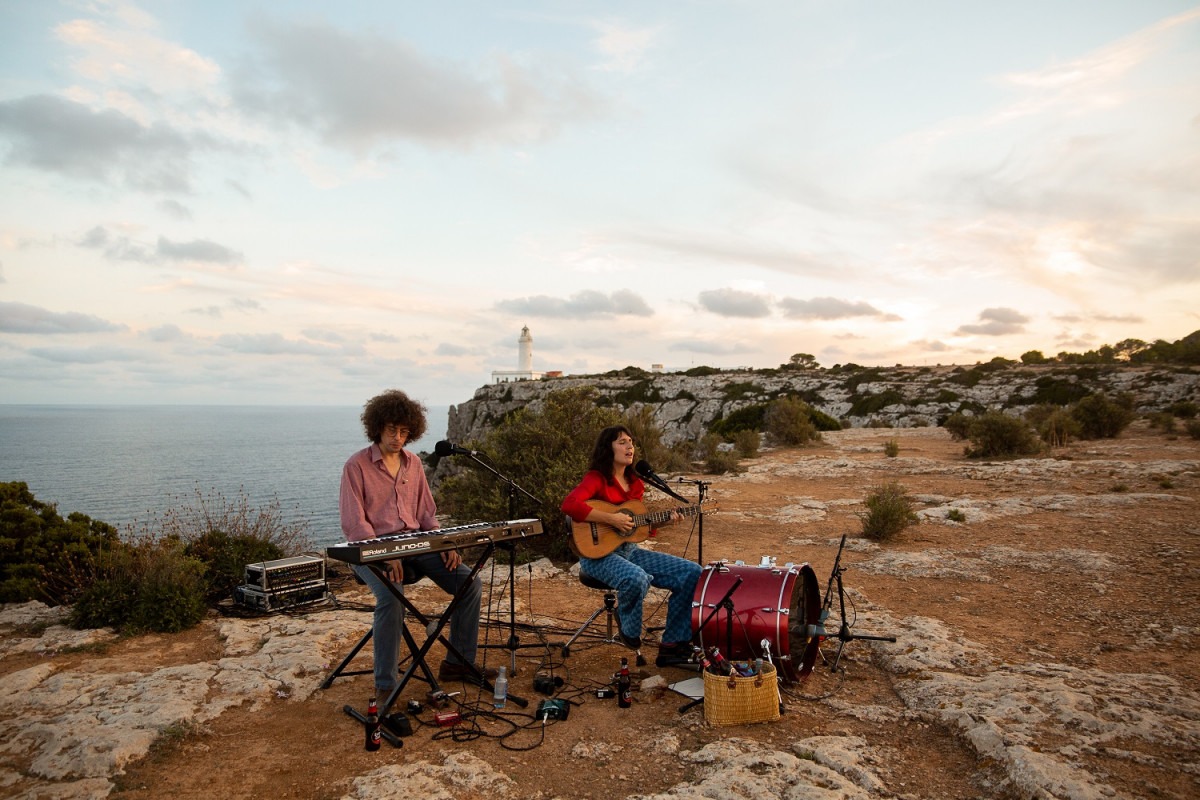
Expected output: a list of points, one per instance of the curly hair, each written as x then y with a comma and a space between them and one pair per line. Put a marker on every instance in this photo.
393, 407
602, 453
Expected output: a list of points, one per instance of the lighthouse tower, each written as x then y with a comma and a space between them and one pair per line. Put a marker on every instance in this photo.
525, 351
524, 370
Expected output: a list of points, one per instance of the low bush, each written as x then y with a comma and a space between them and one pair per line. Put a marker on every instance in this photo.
889, 511
224, 558
789, 423
1054, 424
957, 425
1192, 426
1102, 418
1162, 419
1184, 409
891, 448
995, 434
746, 443
41, 553
719, 458
149, 585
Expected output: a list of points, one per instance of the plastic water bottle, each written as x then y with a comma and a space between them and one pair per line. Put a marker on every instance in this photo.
500, 695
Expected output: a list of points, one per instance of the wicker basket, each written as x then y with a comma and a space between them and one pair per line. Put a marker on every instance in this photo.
734, 700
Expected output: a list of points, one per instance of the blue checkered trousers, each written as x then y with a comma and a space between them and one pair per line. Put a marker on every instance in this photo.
632, 570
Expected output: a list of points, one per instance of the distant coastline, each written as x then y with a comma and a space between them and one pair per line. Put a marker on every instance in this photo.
124, 464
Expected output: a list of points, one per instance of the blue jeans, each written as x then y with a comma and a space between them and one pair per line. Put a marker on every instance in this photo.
632, 571
389, 614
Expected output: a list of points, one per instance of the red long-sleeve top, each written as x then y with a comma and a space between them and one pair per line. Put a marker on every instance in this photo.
595, 486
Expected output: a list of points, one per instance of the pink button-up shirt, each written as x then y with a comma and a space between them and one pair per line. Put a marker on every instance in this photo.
373, 503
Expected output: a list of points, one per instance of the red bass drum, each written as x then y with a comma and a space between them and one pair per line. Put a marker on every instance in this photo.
779, 604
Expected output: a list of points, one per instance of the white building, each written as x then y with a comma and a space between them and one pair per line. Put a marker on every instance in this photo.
524, 370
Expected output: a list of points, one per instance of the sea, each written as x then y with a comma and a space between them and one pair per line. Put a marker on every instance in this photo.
126, 465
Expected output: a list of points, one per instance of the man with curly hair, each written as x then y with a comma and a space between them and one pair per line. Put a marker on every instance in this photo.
384, 491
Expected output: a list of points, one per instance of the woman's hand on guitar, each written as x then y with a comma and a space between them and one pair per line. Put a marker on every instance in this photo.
622, 522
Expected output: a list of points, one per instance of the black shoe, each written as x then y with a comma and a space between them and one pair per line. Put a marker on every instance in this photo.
461, 672
674, 655
632, 642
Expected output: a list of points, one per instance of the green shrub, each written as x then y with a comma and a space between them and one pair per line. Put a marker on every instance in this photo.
889, 511
1192, 426
957, 425
1162, 419
1102, 418
996, 434
717, 460
956, 515
746, 443
149, 585
546, 451
747, 418
822, 421
224, 558
41, 553
789, 423
891, 448
648, 438
1054, 424
869, 404
1184, 409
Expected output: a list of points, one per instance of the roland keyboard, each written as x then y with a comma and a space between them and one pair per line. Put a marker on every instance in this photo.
383, 548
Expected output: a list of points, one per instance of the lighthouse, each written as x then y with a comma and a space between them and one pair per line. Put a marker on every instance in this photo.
525, 351
524, 370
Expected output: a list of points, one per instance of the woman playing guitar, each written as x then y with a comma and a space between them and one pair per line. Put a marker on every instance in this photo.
612, 481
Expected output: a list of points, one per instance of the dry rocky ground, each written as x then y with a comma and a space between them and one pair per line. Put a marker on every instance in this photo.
1046, 647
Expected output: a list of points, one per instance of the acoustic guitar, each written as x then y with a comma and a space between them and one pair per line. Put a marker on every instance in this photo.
597, 539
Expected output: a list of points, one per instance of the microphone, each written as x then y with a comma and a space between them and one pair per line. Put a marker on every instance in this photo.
445, 448
644, 469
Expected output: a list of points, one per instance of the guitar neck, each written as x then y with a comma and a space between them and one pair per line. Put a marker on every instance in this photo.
654, 517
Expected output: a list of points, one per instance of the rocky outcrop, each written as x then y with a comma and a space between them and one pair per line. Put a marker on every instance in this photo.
685, 406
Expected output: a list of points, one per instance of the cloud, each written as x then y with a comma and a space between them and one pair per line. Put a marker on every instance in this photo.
588, 304
452, 350
357, 90
831, 308
96, 354
931, 346
270, 344
53, 134
22, 318
710, 348
124, 248
166, 333
736, 303
623, 48
737, 251
201, 250
996, 322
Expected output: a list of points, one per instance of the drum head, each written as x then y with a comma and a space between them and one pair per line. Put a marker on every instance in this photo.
803, 615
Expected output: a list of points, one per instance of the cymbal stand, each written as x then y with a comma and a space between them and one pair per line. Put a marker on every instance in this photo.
701, 495
843, 635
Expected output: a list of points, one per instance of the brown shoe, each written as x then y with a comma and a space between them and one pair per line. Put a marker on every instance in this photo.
461, 672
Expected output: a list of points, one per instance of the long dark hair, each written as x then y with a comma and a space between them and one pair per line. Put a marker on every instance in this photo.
602, 453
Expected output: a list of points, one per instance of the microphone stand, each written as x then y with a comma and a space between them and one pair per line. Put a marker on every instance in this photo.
844, 634
701, 494
513, 643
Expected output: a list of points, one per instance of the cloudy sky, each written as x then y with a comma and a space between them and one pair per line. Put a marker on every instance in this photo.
306, 202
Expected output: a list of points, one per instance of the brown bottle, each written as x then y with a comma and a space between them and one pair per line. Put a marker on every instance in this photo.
373, 732
624, 685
